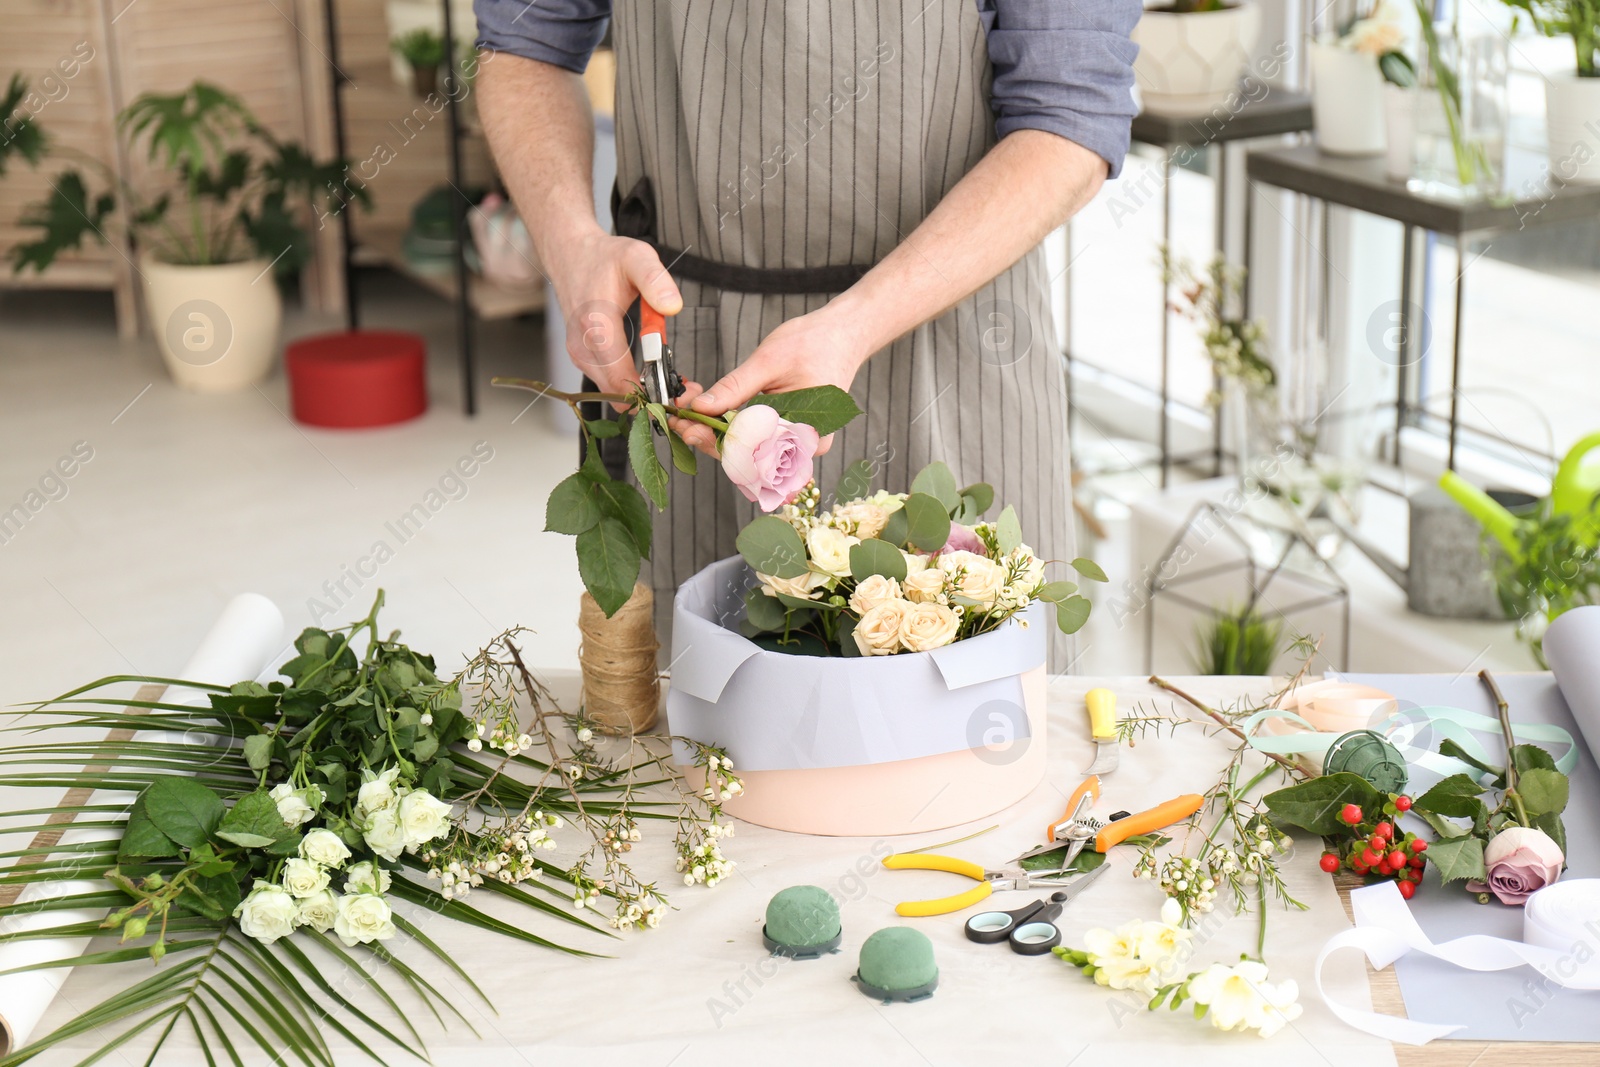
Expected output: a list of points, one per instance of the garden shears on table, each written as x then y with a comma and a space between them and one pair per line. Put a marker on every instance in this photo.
999, 881
1077, 828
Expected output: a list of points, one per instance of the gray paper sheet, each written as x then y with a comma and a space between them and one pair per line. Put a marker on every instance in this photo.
1516, 1005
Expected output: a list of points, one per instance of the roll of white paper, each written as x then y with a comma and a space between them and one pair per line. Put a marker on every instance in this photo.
1572, 648
1561, 940
239, 646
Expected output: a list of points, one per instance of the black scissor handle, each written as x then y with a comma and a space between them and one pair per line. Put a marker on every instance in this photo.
993, 927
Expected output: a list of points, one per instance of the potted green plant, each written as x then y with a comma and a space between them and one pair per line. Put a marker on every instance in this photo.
1553, 567
423, 49
1193, 52
1572, 101
233, 218
1238, 640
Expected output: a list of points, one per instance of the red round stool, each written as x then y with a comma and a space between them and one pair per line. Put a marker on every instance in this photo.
357, 379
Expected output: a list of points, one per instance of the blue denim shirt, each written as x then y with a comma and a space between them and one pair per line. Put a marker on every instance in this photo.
1064, 66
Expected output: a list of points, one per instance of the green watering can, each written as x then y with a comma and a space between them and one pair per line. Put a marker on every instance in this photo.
1573, 492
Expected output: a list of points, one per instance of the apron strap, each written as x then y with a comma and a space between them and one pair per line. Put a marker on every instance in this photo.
634, 216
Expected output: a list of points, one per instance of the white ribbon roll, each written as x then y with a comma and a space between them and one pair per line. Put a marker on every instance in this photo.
1561, 940
241, 643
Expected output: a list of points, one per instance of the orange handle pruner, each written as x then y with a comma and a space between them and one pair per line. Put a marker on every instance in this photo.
1164, 814
660, 375
1091, 787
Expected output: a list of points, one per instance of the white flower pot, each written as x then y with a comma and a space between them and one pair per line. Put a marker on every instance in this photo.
217, 326
1572, 107
1347, 101
1400, 123
1189, 64
858, 747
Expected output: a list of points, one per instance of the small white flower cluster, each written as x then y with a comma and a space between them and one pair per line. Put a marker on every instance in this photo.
641, 913
505, 854
621, 835
1187, 881
721, 784
505, 735
1194, 882
703, 863
394, 818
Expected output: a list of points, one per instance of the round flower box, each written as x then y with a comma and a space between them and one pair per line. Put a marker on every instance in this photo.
850, 746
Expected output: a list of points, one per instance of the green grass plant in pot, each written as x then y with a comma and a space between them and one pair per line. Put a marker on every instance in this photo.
1572, 101
1238, 641
232, 220
423, 49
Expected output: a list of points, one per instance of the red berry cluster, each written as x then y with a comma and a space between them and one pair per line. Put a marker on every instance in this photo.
1376, 849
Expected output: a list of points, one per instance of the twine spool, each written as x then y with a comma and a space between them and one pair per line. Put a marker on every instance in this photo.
621, 686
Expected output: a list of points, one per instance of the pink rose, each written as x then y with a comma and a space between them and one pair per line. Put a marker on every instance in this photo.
962, 539
1519, 860
768, 457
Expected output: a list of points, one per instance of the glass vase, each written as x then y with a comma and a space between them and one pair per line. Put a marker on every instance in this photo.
1459, 125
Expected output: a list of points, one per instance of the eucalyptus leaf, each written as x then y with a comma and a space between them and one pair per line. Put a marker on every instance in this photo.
981, 495
1007, 530
1072, 613
771, 546
763, 611
1089, 569
927, 522
935, 480
873, 556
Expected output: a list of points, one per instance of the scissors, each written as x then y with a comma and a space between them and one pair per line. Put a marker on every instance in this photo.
662, 382
1029, 930
1077, 828
997, 881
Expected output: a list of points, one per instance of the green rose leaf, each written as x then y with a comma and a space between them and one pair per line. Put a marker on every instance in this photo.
771, 546
621, 501
1089, 569
1453, 750
1315, 805
936, 481
571, 508
847, 638
764, 612
1530, 758
873, 556
254, 822
206, 863
258, 751
856, 481
183, 809
1457, 858
1455, 796
927, 522
1071, 614
825, 408
1056, 592
1551, 824
214, 896
1007, 530
603, 428
683, 456
608, 562
1543, 791
646, 464
141, 839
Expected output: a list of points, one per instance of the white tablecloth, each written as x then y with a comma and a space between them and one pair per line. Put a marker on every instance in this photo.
702, 990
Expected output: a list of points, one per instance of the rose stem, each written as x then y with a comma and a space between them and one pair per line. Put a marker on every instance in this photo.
574, 399
1504, 710
1162, 683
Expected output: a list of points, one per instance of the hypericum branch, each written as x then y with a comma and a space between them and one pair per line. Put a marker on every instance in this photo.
572, 400
1221, 720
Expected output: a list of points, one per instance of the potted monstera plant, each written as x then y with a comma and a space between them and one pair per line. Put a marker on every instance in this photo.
1572, 101
1193, 52
231, 221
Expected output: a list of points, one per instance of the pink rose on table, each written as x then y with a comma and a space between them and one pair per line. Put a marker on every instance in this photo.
963, 539
1519, 860
767, 457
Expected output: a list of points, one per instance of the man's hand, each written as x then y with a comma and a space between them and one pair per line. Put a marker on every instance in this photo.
816, 349
600, 277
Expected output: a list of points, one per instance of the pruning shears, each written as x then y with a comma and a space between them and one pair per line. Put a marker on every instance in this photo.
1077, 829
662, 382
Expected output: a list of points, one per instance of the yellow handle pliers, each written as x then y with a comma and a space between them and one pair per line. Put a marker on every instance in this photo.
989, 881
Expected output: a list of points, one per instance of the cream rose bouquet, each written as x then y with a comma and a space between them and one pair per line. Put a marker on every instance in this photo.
883, 573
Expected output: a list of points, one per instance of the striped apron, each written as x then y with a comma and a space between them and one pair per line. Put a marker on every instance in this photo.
795, 135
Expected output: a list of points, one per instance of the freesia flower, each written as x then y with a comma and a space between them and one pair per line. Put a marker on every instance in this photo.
1519, 860
767, 457
267, 914
1241, 998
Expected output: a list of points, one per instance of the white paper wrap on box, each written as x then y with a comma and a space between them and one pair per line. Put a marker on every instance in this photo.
241, 643
1572, 648
774, 711
1560, 940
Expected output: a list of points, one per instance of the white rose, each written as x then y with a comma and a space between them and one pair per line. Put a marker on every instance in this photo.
874, 591
861, 517
878, 631
806, 587
928, 626
974, 577
324, 847
296, 807
384, 835
362, 918
318, 911
423, 817
1375, 36
376, 792
916, 562
830, 550
267, 914
925, 586
304, 878
366, 877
